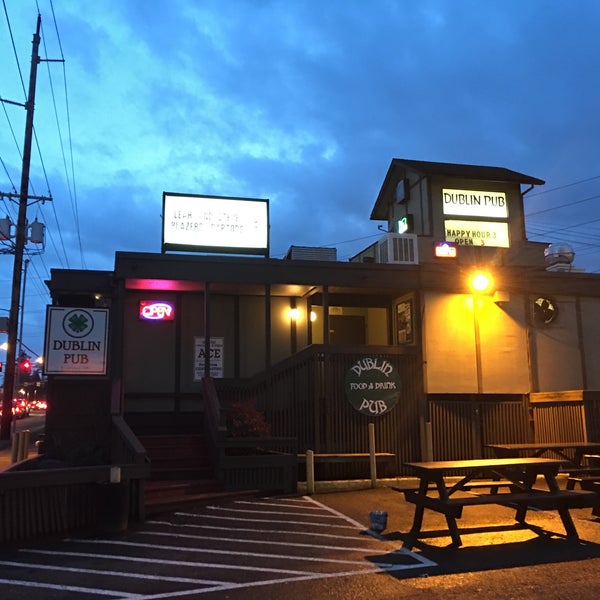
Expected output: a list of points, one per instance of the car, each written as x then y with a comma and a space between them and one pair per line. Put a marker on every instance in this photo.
17, 410
22, 407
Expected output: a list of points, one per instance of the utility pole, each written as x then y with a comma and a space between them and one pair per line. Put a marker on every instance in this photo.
20, 239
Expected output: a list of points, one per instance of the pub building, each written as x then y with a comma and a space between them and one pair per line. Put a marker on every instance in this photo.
396, 337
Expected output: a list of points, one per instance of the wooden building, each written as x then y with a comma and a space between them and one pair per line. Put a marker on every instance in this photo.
513, 362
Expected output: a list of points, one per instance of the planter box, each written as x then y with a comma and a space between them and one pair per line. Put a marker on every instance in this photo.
265, 464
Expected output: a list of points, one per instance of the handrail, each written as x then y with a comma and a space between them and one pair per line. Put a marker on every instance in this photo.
126, 447
214, 421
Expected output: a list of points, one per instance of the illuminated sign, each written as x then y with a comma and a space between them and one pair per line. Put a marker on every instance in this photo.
76, 341
445, 250
155, 310
215, 224
477, 233
469, 203
405, 224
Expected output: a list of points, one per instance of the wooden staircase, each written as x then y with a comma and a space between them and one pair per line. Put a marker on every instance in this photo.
182, 473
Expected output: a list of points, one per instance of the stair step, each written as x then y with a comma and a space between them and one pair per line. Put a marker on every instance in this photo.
181, 472
178, 457
167, 496
167, 488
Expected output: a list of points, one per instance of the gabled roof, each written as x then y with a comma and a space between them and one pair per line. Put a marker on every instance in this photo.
398, 167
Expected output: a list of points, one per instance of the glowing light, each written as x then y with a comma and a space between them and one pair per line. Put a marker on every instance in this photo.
151, 310
481, 282
313, 316
445, 250
294, 314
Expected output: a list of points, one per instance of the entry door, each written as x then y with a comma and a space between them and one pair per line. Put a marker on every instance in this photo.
347, 330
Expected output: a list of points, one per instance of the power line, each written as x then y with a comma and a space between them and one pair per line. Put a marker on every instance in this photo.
567, 205
562, 187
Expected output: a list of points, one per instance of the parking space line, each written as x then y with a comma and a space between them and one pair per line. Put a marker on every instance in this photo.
270, 512
128, 574
223, 552
66, 588
334, 549
303, 523
318, 534
163, 561
261, 541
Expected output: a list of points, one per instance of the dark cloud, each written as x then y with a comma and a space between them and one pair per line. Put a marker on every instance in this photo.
302, 102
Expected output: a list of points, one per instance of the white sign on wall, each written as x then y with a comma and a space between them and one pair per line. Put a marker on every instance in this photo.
471, 203
76, 341
477, 233
216, 357
215, 224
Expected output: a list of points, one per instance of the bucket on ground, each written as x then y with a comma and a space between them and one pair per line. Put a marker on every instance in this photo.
378, 520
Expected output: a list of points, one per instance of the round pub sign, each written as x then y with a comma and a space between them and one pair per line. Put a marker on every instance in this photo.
372, 386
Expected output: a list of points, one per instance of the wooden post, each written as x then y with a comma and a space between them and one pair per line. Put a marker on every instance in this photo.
310, 472
372, 457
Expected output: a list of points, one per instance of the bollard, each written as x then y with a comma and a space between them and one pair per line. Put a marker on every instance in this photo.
20, 446
372, 457
310, 472
14, 447
24, 444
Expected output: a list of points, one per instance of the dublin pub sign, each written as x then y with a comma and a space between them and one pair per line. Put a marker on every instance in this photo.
76, 341
372, 386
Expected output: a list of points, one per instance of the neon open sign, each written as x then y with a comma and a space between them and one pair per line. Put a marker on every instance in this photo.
156, 310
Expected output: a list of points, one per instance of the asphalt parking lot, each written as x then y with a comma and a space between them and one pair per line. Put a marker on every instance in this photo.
317, 546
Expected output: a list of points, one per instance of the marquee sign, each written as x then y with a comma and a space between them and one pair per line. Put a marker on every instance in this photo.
470, 203
477, 233
372, 386
76, 341
215, 224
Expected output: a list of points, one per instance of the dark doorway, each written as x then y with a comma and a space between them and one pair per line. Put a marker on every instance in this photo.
346, 329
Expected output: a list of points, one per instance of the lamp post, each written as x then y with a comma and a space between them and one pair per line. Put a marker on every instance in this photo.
481, 283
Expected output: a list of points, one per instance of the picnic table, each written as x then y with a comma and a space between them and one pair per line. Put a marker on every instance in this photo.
572, 456
437, 493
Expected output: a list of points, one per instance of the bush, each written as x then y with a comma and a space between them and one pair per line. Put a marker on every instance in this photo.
245, 420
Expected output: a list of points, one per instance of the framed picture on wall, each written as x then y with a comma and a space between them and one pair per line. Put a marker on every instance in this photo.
404, 321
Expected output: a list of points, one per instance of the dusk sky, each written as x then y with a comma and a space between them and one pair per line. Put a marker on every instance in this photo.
301, 102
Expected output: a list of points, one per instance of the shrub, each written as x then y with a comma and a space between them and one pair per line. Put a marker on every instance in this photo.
245, 420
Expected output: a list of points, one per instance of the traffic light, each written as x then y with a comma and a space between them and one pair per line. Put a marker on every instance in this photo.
0, 367
25, 365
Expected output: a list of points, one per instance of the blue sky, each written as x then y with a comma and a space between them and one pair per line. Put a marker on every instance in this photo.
301, 102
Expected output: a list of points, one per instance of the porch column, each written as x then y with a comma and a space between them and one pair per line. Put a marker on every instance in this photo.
207, 329
325, 314
267, 326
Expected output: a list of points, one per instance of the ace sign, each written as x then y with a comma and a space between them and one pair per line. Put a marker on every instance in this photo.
216, 357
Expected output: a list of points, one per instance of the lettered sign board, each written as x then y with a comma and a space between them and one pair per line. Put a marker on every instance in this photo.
373, 386
76, 341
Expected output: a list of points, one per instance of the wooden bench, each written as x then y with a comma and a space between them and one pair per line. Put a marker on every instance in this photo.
544, 500
581, 474
341, 457
589, 483
492, 484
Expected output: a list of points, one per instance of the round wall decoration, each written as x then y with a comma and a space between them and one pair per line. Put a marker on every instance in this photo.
545, 310
373, 386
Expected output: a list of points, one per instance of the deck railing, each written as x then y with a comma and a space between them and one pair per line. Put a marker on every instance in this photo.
40, 497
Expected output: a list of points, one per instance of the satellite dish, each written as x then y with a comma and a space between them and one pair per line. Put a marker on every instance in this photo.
560, 253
